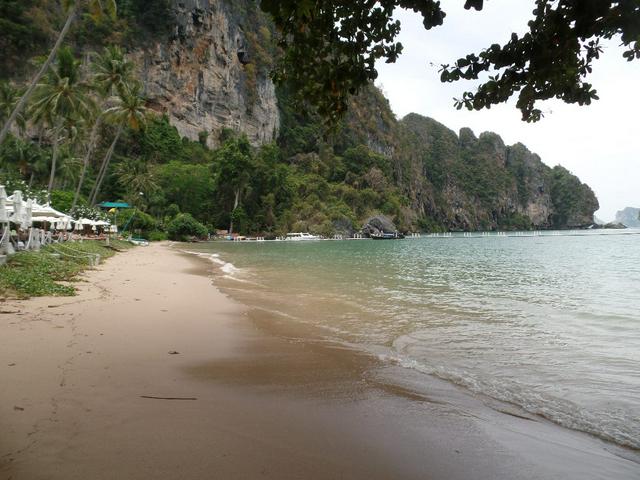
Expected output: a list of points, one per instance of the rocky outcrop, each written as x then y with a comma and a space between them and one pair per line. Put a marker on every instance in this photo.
378, 225
629, 217
199, 77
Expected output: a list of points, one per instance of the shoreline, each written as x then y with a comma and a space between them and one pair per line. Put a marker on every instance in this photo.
271, 399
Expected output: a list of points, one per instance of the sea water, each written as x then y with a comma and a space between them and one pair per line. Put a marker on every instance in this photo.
548, 322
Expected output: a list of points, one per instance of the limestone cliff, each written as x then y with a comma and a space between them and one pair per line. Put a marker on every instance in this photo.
481, 183
199, 76
463, 181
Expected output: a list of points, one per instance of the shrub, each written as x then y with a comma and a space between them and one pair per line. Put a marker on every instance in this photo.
141, 221
62, 200
157, 236
184, 226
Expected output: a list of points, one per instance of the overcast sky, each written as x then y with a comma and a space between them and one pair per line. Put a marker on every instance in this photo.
599, 143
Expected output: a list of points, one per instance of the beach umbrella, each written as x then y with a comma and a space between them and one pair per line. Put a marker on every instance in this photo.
63, 223
4, 213
41, 218
16, 198
48, 211
26, 219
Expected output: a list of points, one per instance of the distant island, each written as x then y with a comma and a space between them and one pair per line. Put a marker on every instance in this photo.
629, 217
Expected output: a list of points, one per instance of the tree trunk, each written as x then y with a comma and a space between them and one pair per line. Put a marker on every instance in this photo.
54, 157
105, 164
235, 205
45, 66
92, 144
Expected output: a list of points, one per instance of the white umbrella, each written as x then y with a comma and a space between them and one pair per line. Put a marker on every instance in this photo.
4, 213
101, 223
41, 218
48, 211
27, 217
17, 207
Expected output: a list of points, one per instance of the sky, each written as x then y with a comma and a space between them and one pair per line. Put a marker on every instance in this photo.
599, 143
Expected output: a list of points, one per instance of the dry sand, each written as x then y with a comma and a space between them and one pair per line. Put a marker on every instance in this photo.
250, 396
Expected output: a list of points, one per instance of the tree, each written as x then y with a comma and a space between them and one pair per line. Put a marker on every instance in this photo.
29, 159
112, 72
184, 226
233, 168
136, 176
188, 186
9, 97
330, 49
96, 9
60, 101
128, 110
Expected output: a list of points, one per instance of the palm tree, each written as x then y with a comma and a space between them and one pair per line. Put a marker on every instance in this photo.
97, 9
136, 176
60, 100
69, 166
9, 97
128, 110
112, 71
24, 155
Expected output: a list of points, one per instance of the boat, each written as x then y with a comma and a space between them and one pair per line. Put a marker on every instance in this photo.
387, 236
297, 236
139, 241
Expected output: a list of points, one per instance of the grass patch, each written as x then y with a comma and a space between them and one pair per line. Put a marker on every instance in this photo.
37, 274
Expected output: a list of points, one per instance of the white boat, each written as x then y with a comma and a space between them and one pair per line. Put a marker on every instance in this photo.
297, 236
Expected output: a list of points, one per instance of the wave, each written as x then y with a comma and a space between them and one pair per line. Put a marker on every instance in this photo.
602, 424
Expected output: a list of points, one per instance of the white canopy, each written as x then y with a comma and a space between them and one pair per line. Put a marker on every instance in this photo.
47, 211
85, 221
24, 213
42, 218
4, 213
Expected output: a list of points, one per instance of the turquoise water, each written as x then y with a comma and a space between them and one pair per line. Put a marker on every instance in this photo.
549, 323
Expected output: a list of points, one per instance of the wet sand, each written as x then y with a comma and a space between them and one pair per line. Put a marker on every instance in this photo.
151, 372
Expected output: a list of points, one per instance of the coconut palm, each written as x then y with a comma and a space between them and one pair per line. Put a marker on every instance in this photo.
135, 176
97, 9
60, 100
69, 166
9, 97
112, 72
23, 155
128, 110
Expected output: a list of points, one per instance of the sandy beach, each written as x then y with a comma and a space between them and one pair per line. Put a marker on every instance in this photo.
152, 372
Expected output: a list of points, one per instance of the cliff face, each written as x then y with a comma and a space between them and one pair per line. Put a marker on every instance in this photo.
196, 76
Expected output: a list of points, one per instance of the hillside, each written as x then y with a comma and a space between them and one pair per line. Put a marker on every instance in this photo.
204, 69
